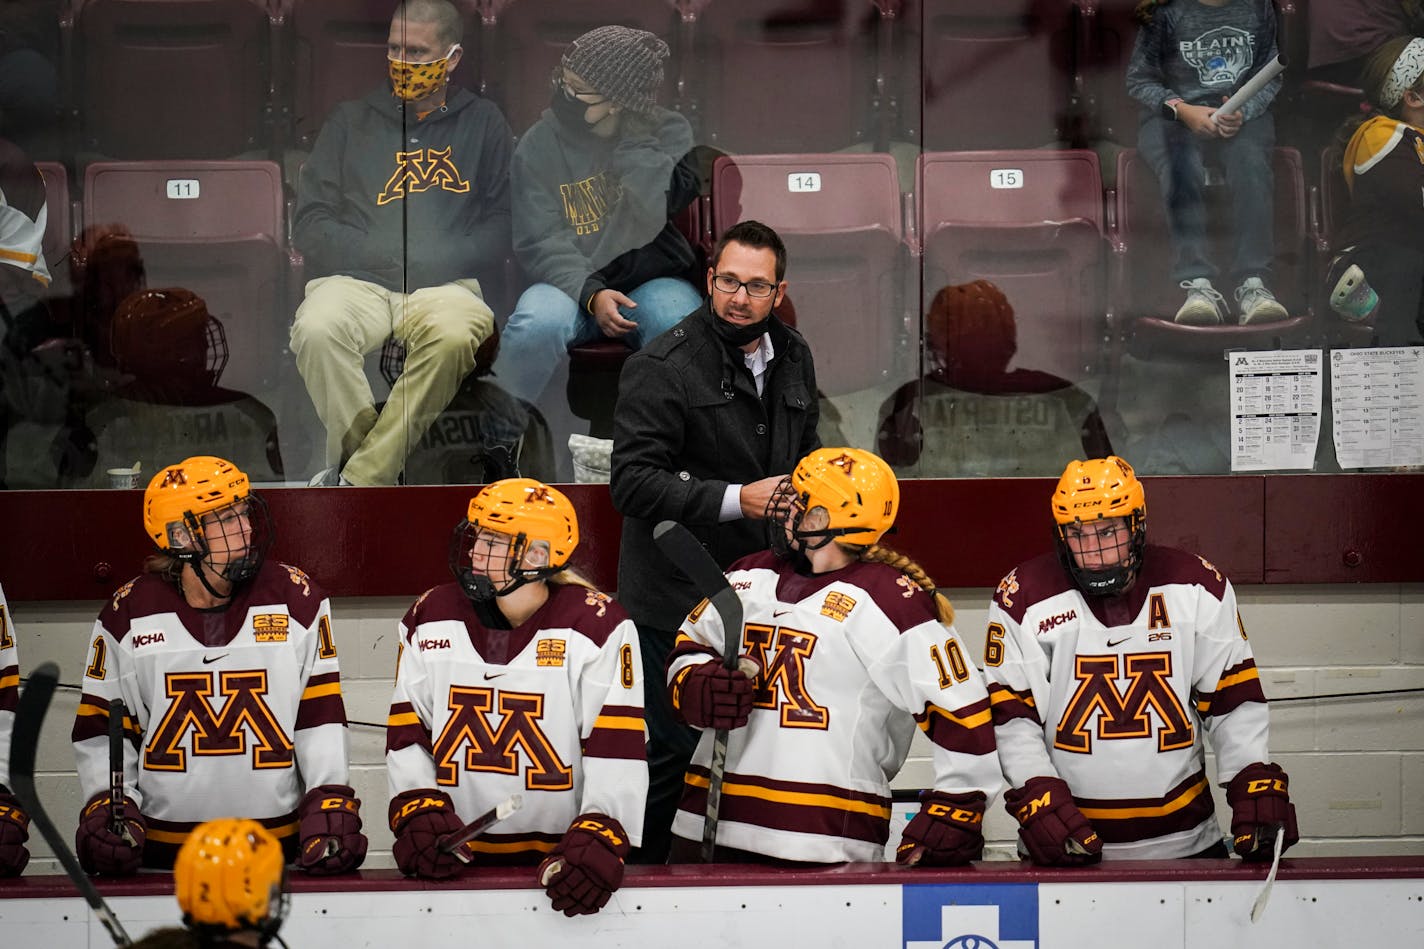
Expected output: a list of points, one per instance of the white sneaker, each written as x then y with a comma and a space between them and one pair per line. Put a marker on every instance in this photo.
1352, 297
1256, 303
1203, 306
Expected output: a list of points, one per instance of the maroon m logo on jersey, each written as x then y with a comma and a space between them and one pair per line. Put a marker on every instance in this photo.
1124, 714
497, 750
244, 713
782, 683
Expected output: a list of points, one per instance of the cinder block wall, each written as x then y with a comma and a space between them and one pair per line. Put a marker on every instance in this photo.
1356, 764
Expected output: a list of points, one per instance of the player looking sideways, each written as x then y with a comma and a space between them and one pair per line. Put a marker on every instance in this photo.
846, 649
519, 678
1108, 663
226, 664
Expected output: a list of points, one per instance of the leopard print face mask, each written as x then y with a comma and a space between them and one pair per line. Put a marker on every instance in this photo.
415, 81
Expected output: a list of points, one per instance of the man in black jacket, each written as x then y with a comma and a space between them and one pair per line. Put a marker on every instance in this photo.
711, 416
402, 208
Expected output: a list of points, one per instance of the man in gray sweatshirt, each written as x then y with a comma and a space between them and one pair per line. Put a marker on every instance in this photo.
402, 208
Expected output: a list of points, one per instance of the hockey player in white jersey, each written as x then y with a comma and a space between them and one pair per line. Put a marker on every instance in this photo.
850, 649
226, 664
1108, 663
14, 822
519, 678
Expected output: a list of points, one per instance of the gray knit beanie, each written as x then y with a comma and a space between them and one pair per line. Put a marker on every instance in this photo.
624, 64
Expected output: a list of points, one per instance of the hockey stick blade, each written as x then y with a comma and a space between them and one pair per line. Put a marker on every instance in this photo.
24, 740
678, 545
455, 843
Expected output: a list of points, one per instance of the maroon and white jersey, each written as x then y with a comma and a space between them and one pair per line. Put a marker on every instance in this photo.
233, 712
9, 685
852, 661
551, 710
1113, 694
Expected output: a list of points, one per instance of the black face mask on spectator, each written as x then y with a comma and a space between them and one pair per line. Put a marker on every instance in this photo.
568, 110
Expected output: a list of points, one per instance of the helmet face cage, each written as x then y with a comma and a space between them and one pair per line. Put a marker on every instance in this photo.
844, 494
230, 541
785, 510
1107, 580
472, 540
1095, 490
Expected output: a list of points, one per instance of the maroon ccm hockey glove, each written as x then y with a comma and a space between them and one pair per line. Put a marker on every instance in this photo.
329, 829
14, 831
1260, 802
581, 873
421, 819
947, 832
709, 695
1053, 830
99, 849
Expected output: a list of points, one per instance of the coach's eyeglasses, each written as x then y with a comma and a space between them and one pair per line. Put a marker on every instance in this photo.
756, 289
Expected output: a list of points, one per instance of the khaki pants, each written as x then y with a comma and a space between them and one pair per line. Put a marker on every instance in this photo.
343, 319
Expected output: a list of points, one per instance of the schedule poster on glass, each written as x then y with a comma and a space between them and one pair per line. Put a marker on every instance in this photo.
1275, 409
1378, 400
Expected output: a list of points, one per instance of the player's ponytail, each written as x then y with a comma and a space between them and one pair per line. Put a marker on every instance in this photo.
877, 553
570, 577
1142, 13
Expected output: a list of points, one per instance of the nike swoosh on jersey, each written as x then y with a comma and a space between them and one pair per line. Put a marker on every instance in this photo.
494, 675
1114, 643
208, 659
776, 613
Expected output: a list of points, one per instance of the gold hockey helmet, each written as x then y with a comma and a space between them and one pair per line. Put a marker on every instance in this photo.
230, 875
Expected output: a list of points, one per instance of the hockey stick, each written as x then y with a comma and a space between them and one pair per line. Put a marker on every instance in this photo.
455, 843
117, 824
25, 738
678, 545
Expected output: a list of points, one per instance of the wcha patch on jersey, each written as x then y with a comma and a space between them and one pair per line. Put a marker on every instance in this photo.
140, 640
837, 606
1052, 622
270, 627
969, 916
549, 652
425, 644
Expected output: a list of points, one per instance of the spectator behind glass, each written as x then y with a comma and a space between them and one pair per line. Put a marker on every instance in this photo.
596, 183
710, 417
970, 415
170, 353
1378, 270
402, 211
1188, 57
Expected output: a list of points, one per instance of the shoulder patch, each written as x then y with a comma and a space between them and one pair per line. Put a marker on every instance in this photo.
1031, 582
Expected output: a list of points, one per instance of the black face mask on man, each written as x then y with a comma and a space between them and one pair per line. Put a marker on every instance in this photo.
734, 334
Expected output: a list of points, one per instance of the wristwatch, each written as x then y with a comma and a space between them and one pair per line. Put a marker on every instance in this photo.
1169, 111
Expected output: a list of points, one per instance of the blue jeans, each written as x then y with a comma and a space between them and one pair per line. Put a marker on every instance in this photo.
1175, 156
546, 322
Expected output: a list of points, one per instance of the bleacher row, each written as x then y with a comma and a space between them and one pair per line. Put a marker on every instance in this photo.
219, 78
1082, 264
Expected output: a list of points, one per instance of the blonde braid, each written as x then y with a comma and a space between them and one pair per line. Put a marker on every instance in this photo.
877, 553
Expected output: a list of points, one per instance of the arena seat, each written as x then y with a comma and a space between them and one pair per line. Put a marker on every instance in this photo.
215, 228
840, 216
797, 78
59, 216
997, 73
159, 79
1144, 296
1030, 222
528, 38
